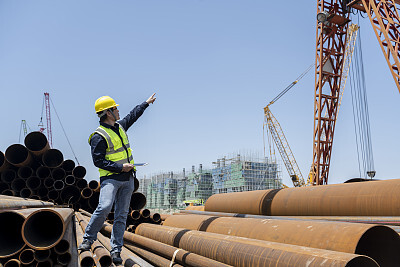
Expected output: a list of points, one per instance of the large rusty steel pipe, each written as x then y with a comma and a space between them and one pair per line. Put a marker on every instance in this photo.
378, 242
375, 198
68, 165
138, 201
10, 202
7, 176
85, 257
166, 251
26, 256
135, 215
79, 172
52, 158
36, 143
239, 251
201, 208
11, 241
18, 155
4, 164
151, 257
45, 227
25, 172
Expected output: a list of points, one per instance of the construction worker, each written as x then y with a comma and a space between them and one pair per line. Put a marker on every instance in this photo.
112, 154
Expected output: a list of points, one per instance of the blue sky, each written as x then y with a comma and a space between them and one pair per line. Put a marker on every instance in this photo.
214, 65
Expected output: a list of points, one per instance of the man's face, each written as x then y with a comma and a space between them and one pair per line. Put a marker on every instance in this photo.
115, 111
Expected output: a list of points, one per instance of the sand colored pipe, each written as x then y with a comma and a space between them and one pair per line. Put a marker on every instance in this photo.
52, 158
18, 155
201, 208
36, 143
378, 242
239, 251
11, 202
375, 198
45, 227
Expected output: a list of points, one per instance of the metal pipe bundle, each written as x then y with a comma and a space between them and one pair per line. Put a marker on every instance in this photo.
239, 251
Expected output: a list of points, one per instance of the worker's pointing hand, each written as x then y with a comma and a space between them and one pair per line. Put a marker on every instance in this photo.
127, 167
151, 99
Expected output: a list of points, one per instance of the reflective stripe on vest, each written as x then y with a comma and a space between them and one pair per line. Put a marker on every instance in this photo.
115, 150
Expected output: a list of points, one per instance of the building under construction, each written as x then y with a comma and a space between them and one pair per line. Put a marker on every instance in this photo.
169, 190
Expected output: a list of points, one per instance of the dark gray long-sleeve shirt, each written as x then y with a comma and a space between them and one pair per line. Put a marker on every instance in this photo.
99, 145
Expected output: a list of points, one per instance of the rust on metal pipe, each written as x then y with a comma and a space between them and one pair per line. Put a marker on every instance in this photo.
79, 172
58, 174
53, 158
195, 208
45, 227
33, 183
43, 172
378, 242
27, 256
11, 202
81, 183
352, 199
11, 241
138, 201
42, 255
239, 251
165, 250
68, 165
25, 172
86, 192
12, 263
7, 176
4, 164
69, 180
18, 155
85, 257
94, 185
36, 143
153, 258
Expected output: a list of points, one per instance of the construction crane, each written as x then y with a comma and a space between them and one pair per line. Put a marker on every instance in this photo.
46, 106
333, 19
275, 130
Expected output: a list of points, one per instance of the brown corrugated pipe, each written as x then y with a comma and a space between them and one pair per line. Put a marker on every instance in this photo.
79, 172
138, 201
45, 227
26, 256
36, 143
18, 155
68, 165
4, 164
53, 158
239, 251
85, 257
25, 172
11, 241
378, 242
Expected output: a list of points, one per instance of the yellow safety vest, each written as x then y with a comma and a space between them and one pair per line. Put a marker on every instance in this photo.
115, 147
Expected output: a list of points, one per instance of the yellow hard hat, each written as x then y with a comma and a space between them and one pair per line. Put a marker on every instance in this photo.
103, 103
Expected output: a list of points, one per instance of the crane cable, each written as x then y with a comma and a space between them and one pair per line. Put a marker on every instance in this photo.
361, 114
62, 127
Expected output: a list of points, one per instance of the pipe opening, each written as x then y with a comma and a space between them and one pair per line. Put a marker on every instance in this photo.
62, 247
18, 184
25, 172
58, 185
43, 229
79, 172
8, 176
42, 255
69, 180
25, 193
382, 244
36, 141
11, 241
64, 259
68, 165
17, 154
138, 201
58, 174
27, 256
53, 158
105, 261
82, 183
33, 183
87, 262
12, 263
361, 261
43, 172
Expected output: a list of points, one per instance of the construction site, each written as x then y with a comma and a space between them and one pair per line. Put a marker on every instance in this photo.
241, 209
